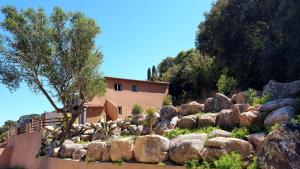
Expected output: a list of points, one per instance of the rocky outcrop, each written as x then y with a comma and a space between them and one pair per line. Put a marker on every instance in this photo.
228, 118
168, 112
249, 118
211, 105
190, 108
188, 122
97, 151
276, 104
207, 119
151, 149
242, 98
121, 149
224, 101
219, 133
244, 148
281, 148
279, 116
281, 90
187, 147
256, 139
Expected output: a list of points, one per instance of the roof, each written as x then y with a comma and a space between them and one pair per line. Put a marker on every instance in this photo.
135, 80
96, 102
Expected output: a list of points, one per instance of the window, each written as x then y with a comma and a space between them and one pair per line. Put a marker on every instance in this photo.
135, 88
120, 110
118, 87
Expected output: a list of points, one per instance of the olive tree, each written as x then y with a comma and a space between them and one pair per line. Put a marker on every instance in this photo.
54, 55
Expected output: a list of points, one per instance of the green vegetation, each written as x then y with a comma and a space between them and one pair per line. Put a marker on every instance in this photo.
253, 164
229, 161
118, 162
82, 142
180, 131
240, 132
137, 109
257, 128
167, 100
273, 128
226, 84
256, 100
54, 55
151, 117
4, 129
296, 120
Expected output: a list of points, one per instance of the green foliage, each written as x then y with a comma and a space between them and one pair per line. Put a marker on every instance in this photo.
229, 161
254, 100
253, 164
180, 131
256, 128
167, 100
54, 55
151, 118
256, 40
296, 120
273, 128
4, 129
240, 132
192, 164
226, 84
118, 162
137, 109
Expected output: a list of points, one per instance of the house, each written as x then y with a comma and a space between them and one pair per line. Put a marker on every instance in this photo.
121, 94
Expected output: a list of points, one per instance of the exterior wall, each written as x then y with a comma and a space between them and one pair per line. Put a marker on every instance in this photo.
111, 110
5, 155
149, 94
26, 146
94, 114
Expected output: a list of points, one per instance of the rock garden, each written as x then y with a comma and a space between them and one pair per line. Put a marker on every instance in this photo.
251, 129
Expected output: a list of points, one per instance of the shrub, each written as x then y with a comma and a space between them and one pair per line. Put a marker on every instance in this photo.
229, 161
253, 164
226, 84
167, 100
273, 128
192, 164
256, 100
118, 162
296, 120
136, 109
150, 120
180, 131
240, 132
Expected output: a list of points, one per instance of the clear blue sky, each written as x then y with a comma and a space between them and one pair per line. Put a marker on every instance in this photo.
136, 34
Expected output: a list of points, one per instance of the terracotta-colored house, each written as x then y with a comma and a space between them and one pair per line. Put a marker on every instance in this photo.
121, 94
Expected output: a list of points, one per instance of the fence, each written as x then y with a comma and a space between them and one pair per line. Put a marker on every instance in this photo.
37, 124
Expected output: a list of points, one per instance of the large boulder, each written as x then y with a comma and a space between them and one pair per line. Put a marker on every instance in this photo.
211, 154
244, 148
224, 101
121, 149
97, 151
211, 105
168, 112
67, 150
188, 122
281, 148
281, 90
174, 121
256, 139
219, 133
241, 107
151, 149
187, 147
190, 108
279, 116
162, 126
277, 104
242, 98
207, 119
249, 118
228, 118
78, 154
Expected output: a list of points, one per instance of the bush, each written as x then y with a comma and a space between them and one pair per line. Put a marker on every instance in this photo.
118, 162
167, 100
256, 100
240, 132
150, 120
137, 109
273, 128
296, 120
226, 84
229, 161
180, 131
253, 164
192, 164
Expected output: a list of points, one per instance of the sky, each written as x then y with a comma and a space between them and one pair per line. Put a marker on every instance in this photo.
135, 34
